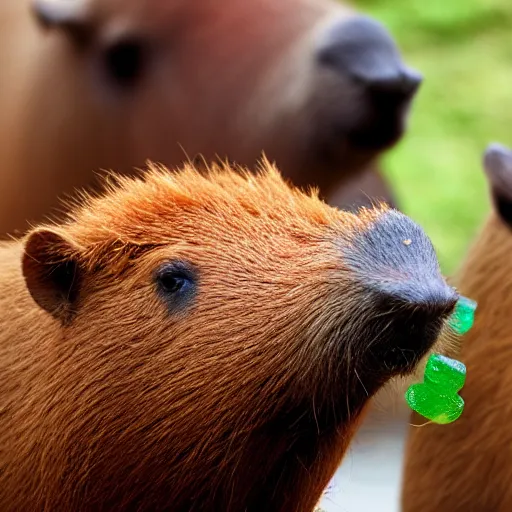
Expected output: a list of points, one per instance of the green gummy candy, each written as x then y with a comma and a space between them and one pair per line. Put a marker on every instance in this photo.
439, 409
463, 317
437, 398
445, 374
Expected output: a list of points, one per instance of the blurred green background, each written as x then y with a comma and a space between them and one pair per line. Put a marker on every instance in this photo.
464, 50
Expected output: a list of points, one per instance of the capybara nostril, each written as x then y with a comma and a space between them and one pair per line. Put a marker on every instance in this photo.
402, 84
363, 50
397, 267
430, 297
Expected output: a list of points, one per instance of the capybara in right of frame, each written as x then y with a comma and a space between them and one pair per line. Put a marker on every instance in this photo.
467, 466
192, 342
89, 85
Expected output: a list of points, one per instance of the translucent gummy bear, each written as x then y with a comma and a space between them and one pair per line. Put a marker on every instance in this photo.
437, 398
463, 317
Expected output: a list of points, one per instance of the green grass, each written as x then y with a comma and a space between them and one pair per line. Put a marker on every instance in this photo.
464, 50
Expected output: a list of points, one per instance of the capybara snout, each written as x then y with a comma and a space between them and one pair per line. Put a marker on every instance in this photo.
362, 51
202, 342
397, 265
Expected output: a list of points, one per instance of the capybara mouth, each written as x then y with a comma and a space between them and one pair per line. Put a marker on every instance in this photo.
363, 52
413, 334
384, 126
381, 129
382, 135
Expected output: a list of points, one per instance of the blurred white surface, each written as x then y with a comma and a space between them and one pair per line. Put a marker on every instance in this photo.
369, 478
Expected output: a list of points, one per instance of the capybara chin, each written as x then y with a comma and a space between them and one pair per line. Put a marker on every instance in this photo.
467, 466
108, 84
193, 342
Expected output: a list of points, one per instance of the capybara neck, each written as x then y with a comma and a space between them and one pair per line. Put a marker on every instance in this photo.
202, 342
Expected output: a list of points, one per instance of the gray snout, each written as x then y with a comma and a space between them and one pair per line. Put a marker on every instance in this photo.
361, 49
398, 263
399, 275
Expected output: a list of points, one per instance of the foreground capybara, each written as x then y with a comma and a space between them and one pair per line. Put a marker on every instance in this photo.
467, 466
195, 342
92, 85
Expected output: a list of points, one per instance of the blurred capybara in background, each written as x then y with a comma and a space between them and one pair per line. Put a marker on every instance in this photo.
202, 342
108, 84
467, 466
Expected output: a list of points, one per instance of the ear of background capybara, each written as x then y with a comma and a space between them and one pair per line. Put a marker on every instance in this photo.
319, 89
467, 466
188, 342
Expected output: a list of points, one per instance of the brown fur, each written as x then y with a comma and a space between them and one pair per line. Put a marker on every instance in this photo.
368, 188
243, 398
259, 83
467, 466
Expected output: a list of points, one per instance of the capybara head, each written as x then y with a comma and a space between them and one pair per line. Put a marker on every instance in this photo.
468, 465
205, 342
308, 82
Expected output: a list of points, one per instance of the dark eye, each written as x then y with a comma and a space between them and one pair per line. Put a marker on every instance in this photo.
176, 282
125, 61
171, 282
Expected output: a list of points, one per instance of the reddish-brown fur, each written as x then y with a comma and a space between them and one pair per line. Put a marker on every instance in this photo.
467, 466
231, 78
243, 397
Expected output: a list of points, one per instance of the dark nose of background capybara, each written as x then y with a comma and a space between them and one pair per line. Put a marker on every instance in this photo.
363, 49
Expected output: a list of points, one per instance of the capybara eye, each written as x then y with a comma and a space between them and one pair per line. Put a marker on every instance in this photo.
172, 283
124, 61
175, 280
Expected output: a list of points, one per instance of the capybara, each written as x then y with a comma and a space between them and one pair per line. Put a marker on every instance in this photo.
202, 342
92, 85
467, 466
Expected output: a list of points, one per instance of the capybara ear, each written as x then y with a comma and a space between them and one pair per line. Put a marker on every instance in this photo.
498, 168
71, 16
52, 272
